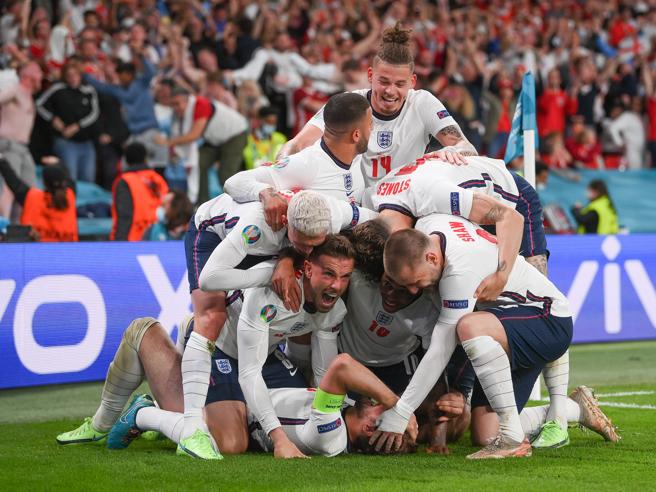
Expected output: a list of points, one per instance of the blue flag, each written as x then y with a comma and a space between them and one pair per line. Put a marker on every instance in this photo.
524, 119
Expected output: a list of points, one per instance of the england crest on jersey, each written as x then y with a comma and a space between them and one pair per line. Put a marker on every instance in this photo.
383, 318
348, 182
384, 139
298, 326
224, 366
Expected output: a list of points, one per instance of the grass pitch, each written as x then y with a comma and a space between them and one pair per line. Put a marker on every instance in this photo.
30, 459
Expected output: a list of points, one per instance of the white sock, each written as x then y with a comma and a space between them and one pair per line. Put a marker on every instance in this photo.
196, 366
533, 417
155, 419
124, 375
492, 368
556, 377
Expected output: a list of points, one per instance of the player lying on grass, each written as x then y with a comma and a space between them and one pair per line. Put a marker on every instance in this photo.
224, 239
435, 186
529, 324
404, 118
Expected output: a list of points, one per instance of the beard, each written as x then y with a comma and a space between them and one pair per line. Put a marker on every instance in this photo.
362, 146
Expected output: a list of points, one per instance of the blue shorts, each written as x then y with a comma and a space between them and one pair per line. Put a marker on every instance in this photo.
278, 372
460, 374
535, 338
199, 244
534, 240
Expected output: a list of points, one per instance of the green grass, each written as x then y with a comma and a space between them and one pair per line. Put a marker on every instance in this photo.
31, 460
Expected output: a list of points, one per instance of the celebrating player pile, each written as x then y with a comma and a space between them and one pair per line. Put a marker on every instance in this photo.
403, 319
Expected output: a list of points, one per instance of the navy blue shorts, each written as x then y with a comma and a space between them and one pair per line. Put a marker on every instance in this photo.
199, 244
460, 374
534, 240
397, 376
534, 338
278, 372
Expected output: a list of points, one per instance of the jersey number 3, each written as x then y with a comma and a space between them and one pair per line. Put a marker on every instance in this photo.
385, 162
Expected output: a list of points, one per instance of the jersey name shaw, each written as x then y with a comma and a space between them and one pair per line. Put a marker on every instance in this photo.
461, 231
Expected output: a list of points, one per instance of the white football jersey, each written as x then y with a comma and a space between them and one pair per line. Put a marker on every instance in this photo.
420, 189
399, 139
261, 307
313, 168
244, 225
313, 432
375, 337
470, 255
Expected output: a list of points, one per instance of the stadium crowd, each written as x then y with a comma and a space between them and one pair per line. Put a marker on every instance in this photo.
228, 82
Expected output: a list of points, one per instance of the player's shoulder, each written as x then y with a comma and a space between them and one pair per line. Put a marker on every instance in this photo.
419, 96
362, 92
331, 319
266, 307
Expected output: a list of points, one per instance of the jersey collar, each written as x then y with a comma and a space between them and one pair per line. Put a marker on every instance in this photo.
339, 163
384, 117
309, 308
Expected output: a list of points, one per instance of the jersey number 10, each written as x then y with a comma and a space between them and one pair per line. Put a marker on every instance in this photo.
385, 162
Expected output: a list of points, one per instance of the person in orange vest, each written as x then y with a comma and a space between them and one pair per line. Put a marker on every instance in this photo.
136, 194
50, 212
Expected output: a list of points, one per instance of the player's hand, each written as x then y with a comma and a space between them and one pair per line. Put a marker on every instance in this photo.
451, 404
386, 442
275, 209
441, 449
284, 284
448, 154
283, 448
413, 428
491, 286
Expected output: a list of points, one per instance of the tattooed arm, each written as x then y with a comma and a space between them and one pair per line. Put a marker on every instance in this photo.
510, 227
452, 136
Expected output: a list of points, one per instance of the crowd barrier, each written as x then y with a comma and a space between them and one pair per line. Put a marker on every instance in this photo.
63, 307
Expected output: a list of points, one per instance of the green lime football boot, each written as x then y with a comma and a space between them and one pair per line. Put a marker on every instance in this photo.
198, 445
85, 433
552, 436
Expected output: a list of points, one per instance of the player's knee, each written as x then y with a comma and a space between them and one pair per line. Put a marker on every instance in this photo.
233, 444
467, 327
134, 333
341, 362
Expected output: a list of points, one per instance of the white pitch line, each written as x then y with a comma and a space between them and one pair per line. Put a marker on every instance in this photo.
625, 393
626, 405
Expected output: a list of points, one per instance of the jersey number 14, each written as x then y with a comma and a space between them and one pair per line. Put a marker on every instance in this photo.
385, 162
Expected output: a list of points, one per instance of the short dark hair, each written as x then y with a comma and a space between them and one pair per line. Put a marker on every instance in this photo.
540, 167
343, 111
265, 111
126, 67
179, 91
181, 209
404, 247
369, 242
135, 153
335, 245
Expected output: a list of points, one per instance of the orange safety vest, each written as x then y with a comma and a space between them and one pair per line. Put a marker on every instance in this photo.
52, 225
147, 189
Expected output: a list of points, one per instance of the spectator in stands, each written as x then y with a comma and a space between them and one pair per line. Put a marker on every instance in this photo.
113, 133
625, 132
50, 212
554, 106
172, 218
138, 105
553, 152
136, 195
583, 145
264, 142
224, 132
499, 118
541, 175
71, 108
599, 215
17, 113
648, 73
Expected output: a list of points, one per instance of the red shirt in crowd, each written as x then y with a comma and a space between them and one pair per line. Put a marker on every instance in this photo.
651, 112
618, 31
585, 153
302, 112
203, 109
553, 108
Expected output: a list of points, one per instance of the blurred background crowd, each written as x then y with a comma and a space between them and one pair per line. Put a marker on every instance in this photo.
194, 91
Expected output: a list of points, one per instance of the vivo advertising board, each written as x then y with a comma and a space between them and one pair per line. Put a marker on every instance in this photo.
63, 307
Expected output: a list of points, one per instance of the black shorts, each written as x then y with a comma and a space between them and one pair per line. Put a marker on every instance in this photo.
534, 240
397, 376
278, 372
535, 338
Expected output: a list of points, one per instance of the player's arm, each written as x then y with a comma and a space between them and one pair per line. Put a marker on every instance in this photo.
510, 228
324, 350
253, 345
220, 273
346, 215
439, 123
309, 134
